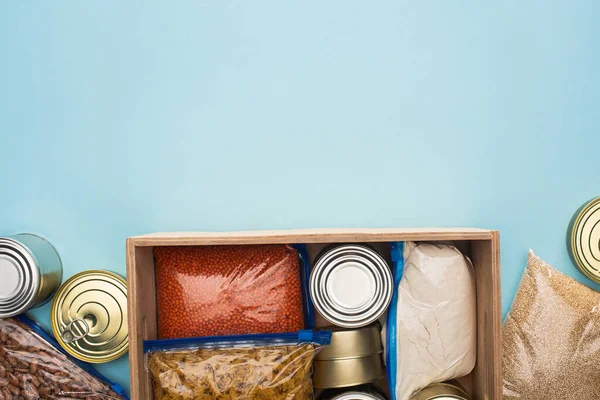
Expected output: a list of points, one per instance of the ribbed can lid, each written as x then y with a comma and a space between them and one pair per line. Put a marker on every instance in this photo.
89, 316
356, 396
351, 286
583, 239
19, 278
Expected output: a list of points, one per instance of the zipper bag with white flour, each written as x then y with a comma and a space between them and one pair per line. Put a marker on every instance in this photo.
431, 325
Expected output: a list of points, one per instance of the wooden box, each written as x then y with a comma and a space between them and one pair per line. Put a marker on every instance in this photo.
483, 247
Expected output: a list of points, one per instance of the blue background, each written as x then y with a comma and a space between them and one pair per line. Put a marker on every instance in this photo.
118, 119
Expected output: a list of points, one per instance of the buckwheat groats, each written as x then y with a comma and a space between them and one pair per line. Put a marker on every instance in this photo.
551, 338
227, 290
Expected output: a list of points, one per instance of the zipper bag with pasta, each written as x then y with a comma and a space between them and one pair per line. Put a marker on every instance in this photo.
266, 366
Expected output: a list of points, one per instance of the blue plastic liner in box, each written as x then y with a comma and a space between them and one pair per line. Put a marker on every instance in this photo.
307, 305
321, 338
391, 326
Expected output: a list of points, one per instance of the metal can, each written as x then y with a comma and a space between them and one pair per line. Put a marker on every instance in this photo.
354, 357
30, 271
346, 372
441, 391
363, 392
89, 316
583, 239
352, 343
351, 285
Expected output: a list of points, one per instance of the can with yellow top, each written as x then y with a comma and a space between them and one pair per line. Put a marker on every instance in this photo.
583, 239
89, 316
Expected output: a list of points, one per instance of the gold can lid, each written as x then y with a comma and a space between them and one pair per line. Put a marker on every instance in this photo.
89, 316
583, 239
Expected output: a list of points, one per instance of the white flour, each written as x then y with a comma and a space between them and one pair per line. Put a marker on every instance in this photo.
436, 318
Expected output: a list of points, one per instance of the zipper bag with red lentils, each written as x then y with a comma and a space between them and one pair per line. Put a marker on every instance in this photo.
231, 290
265, 366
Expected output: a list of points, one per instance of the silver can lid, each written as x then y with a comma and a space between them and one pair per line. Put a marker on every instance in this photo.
351, 286
356, 396
19, 278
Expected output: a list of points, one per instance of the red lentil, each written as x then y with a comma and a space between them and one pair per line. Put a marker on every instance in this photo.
227, 290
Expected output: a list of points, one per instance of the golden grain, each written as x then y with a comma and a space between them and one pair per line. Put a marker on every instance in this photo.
551, 338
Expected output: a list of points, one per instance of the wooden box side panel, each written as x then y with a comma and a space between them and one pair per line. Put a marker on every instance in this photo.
488, 369
142, 315
311, 236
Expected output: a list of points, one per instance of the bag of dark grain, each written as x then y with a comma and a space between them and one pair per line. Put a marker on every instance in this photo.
32, 367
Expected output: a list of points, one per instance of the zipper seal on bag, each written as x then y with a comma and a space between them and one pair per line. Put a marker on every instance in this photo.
304, 336
391, 353
307, 305
40, 331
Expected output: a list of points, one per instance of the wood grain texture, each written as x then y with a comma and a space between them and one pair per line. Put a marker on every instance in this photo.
142, 315
484, 382
488, 370
311, 236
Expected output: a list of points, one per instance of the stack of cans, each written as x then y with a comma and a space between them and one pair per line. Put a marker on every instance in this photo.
351, 287
354, 357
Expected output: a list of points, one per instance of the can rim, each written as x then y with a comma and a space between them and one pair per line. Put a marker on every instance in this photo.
453, 391
378, 267
356, 396
573, 229
359, 338
57, 333
332, 379
26, 299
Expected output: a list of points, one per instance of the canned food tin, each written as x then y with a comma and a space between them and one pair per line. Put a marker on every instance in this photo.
30, 272
364, 392
352, 358
357, 396
352, 343
441, 391
346, 372
583, 239
89, 316
351, 285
